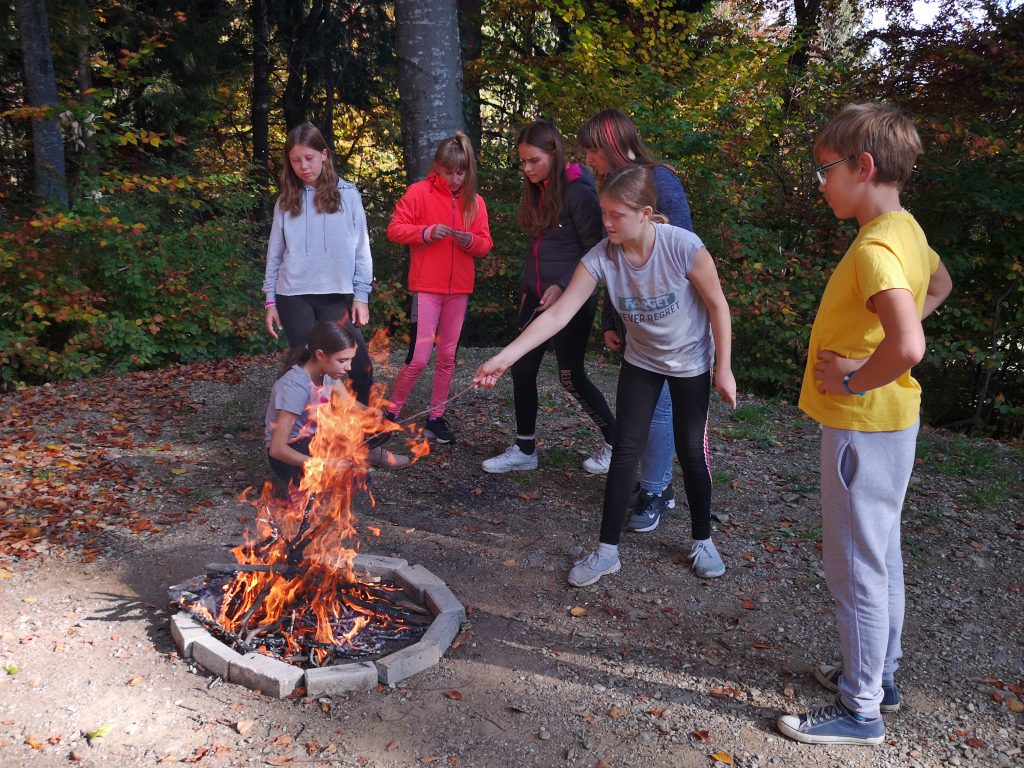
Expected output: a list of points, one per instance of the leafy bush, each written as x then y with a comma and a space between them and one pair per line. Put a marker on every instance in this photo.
149, 271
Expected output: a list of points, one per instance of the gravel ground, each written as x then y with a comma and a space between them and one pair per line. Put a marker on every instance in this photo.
650, 667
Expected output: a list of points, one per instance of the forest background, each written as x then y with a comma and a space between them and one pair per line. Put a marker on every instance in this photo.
140, 142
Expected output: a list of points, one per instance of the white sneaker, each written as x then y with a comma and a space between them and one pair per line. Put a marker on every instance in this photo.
598, 463
510, 460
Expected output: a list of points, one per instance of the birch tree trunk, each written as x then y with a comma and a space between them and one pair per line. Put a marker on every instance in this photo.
429, 78
41, 91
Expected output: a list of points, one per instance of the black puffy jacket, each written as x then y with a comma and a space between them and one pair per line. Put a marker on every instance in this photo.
552, 255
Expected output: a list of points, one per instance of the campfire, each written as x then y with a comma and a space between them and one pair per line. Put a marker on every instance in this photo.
292, 592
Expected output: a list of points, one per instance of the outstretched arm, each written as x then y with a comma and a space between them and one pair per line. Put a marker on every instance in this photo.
544, 326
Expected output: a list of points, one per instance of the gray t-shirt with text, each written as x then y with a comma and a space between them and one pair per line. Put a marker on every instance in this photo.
296, 393
667, 324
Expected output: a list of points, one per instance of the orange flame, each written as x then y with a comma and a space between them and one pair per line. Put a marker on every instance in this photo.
302, 547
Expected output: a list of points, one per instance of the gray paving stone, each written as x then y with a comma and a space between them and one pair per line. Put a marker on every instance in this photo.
414, 579
273, 677
443, 631
379, 566
213, 655
342, 678
440, 599
407, 662
185, 630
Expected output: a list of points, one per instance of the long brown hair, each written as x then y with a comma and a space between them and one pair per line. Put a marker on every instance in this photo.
616, 135
456, 154
541, 207
327, 198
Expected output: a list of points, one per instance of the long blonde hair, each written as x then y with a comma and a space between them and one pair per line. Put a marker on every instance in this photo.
456, 153
327, 198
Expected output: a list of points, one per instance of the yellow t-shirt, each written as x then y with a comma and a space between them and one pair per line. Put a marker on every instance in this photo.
890, 251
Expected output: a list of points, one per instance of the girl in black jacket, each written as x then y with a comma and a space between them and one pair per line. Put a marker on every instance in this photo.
560, 213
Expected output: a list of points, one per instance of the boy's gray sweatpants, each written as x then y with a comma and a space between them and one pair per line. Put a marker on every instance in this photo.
864, 478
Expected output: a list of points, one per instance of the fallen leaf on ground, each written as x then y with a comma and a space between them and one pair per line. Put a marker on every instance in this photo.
453, 695
616, 712
99, 733
244, 726
578, 611
722, 757
701, 735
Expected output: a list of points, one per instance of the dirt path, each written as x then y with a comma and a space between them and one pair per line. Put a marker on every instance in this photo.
112, 490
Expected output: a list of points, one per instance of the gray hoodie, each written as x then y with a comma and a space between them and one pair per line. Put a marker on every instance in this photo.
318, 253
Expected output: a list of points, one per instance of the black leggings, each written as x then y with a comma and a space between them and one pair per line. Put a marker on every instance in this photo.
637, 395
300, 313
570, 345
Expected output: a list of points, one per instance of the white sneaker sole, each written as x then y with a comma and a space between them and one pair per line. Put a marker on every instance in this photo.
804, 738
597, 577
503, 469
431, 436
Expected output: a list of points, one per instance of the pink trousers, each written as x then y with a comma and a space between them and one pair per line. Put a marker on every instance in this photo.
438, 319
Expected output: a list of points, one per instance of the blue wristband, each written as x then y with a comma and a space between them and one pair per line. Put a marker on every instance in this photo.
846, 385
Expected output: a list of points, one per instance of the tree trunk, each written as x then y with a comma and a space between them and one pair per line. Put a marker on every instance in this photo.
41, 91
470, 30
429, 78
260, 96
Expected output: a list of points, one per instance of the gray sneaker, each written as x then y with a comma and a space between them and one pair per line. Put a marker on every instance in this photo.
829, 674
705, 560
589, 569
648, 511
510, 460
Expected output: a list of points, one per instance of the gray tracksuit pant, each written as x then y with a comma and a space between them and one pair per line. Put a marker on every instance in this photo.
864, 478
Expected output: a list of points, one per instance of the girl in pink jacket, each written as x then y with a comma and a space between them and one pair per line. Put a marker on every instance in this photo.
444, 222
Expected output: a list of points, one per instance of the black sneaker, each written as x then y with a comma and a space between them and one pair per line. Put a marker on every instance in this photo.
437, 429
648, 511
669, 495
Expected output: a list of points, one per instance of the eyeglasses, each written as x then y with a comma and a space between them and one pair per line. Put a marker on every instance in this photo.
819, 171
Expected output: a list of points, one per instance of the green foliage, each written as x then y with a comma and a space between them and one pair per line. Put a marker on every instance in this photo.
154, 270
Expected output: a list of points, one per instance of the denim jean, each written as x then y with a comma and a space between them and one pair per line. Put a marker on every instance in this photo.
656, 459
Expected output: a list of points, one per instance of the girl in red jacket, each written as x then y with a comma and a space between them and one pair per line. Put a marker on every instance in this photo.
444, 222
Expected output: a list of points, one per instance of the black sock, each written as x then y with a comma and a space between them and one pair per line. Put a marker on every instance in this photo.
526, 444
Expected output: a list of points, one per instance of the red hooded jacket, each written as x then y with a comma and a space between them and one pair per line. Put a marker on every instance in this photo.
438, 266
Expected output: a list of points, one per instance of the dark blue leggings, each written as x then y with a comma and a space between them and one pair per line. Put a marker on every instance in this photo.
637, 395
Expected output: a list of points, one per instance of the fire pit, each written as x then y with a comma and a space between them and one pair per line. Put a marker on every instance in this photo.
278, 678
298, 606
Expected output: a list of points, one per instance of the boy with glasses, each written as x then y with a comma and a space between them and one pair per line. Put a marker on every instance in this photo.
857, 384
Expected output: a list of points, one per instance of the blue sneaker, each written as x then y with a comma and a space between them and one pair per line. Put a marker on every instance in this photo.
649, 509
828, 675
834, 724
